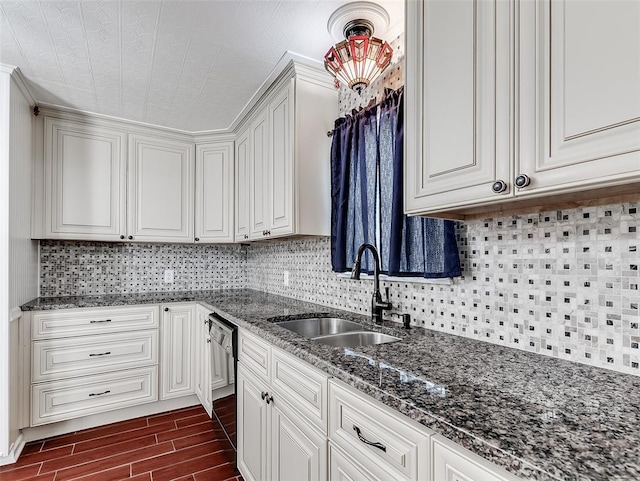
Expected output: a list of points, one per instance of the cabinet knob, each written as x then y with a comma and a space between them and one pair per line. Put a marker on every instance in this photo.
246, 236
130, 237
208, 340
522, 180
166, 309
499, 186
121, 237
197, 239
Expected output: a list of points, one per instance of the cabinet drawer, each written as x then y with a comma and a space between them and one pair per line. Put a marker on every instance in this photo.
451, 461
81, 356
61, 400
304, 387
254, 353
82, 322
355, 423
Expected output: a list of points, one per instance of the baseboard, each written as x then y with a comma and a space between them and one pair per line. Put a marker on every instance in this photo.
14, 451
64, 427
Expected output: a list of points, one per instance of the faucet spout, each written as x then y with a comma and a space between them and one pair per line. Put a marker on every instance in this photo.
377, 304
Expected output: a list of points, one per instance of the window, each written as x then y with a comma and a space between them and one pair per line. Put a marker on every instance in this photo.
367, 199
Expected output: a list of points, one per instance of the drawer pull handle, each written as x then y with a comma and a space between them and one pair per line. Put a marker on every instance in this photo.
96, 322
366, 441
99, 393
99, 354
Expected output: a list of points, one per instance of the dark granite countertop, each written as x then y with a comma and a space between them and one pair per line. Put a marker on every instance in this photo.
540, 418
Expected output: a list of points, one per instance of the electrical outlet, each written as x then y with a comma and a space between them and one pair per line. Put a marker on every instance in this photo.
168, 276
286, 278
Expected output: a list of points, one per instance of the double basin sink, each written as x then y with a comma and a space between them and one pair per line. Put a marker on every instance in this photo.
336, 332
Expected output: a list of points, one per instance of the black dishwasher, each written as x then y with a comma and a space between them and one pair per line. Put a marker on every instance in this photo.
225, 334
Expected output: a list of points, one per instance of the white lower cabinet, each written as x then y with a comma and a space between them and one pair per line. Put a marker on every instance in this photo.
452, 462
276, 440
203, 360
90, 361
388, 443
252, 425
72, 398
178, 354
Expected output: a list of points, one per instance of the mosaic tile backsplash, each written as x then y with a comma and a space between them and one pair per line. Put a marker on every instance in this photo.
94, 268
559, 283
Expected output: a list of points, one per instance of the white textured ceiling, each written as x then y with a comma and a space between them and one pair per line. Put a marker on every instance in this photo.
189, 65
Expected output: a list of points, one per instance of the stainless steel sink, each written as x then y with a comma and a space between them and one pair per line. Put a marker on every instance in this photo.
356, 338
320, 326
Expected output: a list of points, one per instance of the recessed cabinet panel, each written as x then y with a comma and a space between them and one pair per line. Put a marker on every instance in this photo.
281, 164
242, 194
298, 452
214, 192
252, 426
582, 95
178, 354
161, 180
84, 181
54, 359
68, 399
457, 129
92, 322
259, 176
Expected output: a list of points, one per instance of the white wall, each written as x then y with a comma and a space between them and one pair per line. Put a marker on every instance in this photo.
18, 253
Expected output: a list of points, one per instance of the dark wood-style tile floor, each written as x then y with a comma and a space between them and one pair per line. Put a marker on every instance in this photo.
182, 445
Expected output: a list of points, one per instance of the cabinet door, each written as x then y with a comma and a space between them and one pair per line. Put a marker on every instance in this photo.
203, 360
178, 353
242, 190
214, 192
579, 72
280, 194
85, 179
161, 180
458, 103
259, 176
252, 425
298, 452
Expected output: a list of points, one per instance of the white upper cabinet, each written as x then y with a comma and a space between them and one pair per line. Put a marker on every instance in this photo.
281, 163
579, 104
289, 186
161, 186
259, 175
214, 192
242, 187
526, 101
84, 181
457, 102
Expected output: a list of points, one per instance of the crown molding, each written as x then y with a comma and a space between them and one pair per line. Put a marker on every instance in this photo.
16, 74
87, 117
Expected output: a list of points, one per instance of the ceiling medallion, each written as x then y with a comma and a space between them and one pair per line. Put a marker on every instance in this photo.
361, 58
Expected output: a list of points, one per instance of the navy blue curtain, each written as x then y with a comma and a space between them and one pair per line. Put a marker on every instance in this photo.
367, 186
